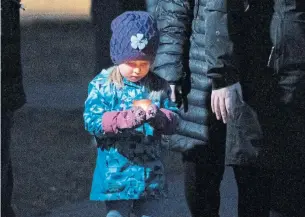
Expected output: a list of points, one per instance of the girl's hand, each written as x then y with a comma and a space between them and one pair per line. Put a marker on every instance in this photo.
138, 115
162, 120
151, 112
115, 121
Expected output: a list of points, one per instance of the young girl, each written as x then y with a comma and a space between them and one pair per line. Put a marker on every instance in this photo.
129, 172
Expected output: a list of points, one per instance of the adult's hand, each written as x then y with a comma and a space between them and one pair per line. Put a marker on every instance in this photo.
222, 101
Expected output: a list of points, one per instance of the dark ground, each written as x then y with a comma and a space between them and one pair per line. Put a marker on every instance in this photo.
52, 157
52, 160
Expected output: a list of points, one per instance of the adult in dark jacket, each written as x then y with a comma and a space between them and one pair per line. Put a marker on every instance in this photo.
284, 153
277, 94
12, 94
196, 55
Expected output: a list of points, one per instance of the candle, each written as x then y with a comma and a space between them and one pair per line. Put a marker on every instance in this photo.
143, 103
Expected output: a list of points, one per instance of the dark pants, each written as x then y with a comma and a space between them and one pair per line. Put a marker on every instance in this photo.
6, 166
202, 192
203, 170
202, 189
253, 187
260, 191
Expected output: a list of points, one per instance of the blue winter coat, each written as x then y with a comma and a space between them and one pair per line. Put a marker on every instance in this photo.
117, 175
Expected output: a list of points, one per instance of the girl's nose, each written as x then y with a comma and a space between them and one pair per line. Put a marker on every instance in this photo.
136, 70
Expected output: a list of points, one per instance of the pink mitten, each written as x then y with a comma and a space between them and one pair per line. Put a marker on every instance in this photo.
162, 119
114, 121
151, 112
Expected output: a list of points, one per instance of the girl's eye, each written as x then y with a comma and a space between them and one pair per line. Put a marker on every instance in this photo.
131, 64
144, 65
134, 65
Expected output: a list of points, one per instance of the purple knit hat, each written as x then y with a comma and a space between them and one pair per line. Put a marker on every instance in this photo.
134, 37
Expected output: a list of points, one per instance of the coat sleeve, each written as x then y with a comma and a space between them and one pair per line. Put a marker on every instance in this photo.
151, 6
95, 107
224, 30
174, 26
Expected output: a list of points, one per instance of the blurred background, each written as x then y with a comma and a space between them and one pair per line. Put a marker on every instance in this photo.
52, 156
57, 7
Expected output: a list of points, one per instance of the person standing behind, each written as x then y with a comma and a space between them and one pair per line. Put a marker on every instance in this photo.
197, 57
273, 83
286, 151
12, 94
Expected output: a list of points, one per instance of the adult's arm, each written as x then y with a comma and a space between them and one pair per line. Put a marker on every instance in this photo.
224, 31
174, 25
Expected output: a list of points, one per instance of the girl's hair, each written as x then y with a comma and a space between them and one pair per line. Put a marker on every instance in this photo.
153, 83
115, 77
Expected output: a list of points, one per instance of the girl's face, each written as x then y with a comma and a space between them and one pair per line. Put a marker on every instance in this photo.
134, 70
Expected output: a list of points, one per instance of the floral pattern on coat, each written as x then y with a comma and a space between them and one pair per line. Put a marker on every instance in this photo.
128, 165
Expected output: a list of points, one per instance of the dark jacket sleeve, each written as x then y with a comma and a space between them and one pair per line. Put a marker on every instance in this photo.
173, 23
151, 6
224, 30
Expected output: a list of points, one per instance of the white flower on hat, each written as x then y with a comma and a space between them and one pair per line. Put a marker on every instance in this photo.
138, 41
